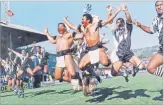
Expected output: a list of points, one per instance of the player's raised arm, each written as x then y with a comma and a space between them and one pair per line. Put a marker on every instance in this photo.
50, 38
70, 25
110, 18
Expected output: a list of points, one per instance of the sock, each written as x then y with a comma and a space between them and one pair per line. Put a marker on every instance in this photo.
159, 71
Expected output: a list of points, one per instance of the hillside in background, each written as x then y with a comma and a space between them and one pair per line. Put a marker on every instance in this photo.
145, 52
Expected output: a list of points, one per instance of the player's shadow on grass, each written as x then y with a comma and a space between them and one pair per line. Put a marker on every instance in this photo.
65, 91
102, 94
159, 98
127, 94
33, 94
45, 92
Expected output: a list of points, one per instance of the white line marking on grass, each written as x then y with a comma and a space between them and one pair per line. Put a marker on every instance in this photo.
68, 100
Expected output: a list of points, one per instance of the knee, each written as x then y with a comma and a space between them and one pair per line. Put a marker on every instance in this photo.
106, 63
150, 69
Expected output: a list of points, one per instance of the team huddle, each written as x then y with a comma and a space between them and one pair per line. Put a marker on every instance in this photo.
91, 52
77, 62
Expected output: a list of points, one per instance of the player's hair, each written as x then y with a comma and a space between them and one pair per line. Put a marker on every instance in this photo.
89, 17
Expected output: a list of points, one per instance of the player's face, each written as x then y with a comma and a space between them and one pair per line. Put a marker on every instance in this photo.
38, 49
84, 21
23, 52
159, 7
119, 23
61, 29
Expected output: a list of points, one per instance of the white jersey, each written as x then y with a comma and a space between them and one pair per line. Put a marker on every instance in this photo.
122, 37
81, 48
24, 59
157, 27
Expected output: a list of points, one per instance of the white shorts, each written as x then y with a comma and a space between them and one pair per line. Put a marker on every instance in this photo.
94, 56
60, 61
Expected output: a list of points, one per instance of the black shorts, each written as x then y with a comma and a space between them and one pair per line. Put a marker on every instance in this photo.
44, 61
119, 56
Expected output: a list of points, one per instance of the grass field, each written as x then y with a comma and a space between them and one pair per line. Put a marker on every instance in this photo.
143, 89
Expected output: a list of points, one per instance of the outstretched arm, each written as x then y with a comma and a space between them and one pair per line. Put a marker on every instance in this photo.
70, 25
16, 53
128, 17
78, 36
109, 9
143, 27
111, 17
111, 25
75, 35
32, 49
50, 38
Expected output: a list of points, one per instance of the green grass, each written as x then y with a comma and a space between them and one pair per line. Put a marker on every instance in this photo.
143, 89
